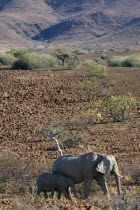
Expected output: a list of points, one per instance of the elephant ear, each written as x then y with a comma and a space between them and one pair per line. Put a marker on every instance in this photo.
62, 182
105, 166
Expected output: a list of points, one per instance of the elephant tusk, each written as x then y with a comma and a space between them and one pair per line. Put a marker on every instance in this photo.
119, 175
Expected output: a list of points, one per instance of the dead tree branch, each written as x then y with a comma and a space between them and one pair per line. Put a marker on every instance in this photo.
51, 133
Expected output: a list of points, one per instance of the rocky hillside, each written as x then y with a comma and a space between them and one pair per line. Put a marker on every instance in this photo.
90, 24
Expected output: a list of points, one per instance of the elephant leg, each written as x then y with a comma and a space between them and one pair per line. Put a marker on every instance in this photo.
39, 191
67, 190
59, 195
52, 193
88, 183
45, 194
66, 194
100, 179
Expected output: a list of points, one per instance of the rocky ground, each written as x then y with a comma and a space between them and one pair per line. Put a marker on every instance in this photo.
30, 100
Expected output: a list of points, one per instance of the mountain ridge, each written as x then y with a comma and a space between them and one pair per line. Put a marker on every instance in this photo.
37, 22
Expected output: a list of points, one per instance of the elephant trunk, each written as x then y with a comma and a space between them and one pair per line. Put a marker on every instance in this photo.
117, 177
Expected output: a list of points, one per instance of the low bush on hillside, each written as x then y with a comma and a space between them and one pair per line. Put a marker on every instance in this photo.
119, 108
124, 61
7, 59
79, 52
103, 56
35, 61
112, 49
18, 52
73, 141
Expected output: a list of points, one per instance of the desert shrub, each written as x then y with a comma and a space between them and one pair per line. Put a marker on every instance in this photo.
125, 61
104, 56
61, 53
88, 62
130, 201
99, 71
11, 171
133, 172
102, 34
118, 107
95, 68
127, 50
112, 49
73, 141
7, 59
117, 61
51, 61
18, 52
34, 61
79, 52
132, 61
73, 61
87, 89
9, 166
99, 61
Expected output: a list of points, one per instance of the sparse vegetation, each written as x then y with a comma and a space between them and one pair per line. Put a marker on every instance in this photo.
104, 56
87, 89
132, 61
119, 108
116, 61
18, 52
7, 59
79, 52
96, 69
102, 34
112, 49
65, 102
73, 61
73, 141
35, 61
125, 61
61, 53
98, 73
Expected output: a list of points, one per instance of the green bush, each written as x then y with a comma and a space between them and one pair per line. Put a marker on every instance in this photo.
117, 61
35, 61
95, 68
132, 61
87, 89
98, 73
18, 52
61, 53
79, 52
7, 59
98, 70
112, 49
88, 62
125, 61
104, 56
73, 61
119, 108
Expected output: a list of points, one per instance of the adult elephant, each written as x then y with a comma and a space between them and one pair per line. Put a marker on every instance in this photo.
87, 167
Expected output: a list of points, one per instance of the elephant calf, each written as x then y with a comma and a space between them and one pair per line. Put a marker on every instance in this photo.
47, 182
